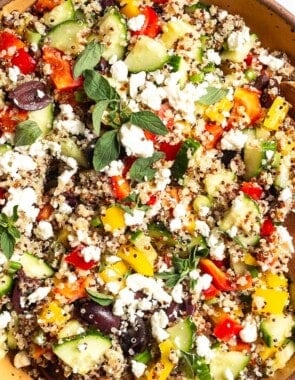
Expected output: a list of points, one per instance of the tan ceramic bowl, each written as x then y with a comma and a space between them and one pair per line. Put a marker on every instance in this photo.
276, 29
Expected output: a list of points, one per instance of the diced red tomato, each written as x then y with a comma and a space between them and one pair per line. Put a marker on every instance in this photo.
170, 150
10, 117
219, 278
267, 228
120, 187
24, 61
216, 132
166, 115
9, 44
250, 101
226, 329
46, 5
151, 26
62, 75
211, 292
252, 189
77, 260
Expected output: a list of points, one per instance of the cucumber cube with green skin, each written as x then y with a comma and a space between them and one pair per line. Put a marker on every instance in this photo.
282, 178
6, 283
282, 357
34, 267
146, 55
240, 54
276, 329
214, 181
112, 33
44, 118
182, 334
83, 352
62, 12
224, 363
70, 149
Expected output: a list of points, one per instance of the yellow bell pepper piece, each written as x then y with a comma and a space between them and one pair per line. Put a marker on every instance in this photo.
136, 259
54, 314
130, 8
174, 30
267, 352
273, 280
162, 369
276, 114
271, 301
287, 147
250, 260
113, 219
114, 272
217, 112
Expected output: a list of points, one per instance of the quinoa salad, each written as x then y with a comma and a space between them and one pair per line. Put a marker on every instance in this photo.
146, 172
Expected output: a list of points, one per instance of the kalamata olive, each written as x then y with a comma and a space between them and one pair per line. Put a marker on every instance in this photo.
136, 338
52, 173
15, 298
107, 3
261, 82
173, 311
52, 371
103, 66
30, 96
227, 156
97, 316
265, 99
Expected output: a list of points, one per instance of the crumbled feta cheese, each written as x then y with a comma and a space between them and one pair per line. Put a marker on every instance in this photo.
91, 253
135, 142
39, 294
202, 227
152, 96
136, 218
159, 321
203, 346
249, 332
237, 39
205, 281
21, 359
119, 71
137, 368
179, 210
24, 199
175, 224
44, 230
177, 293
272, 62
285, 195
5, 318
13, 73
37, 149
217, 251
285, 237
135, 82
162, 178
233, 140
136, 23
65, 209
259, 302
232, 232
67, 120
12, 163
114, 168
194, 274
213, 56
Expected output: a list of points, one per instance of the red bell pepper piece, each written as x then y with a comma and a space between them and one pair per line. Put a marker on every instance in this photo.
248, 60
219, 278
151, 26
211, 292
252, 189
153, 199
76, 259
46, 5
226, 329
10, 117
216, 132
24, 61
150, 135
9, 44
267, 228
120, 187
62, 75
170, 150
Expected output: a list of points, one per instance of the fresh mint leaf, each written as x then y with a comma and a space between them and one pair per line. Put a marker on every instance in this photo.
7, 243
171, 278
8, 232
97, 114
149, 121
106, 150
213, 95
195, 365
100, 298
141, 169
88, 59
26, 133
97, 87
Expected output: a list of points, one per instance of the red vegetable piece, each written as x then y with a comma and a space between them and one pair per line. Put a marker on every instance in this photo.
252, 189
170, 150
120, 187
77, 260
219, 278
9, 44
151, 27
216, 132
226, 329
24, 61
267, 228
211, 292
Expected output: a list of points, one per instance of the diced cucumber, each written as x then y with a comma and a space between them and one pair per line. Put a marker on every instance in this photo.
35, 267
200, 202
246, 241
44, 118
223, 362
250, 133
276, 329
70, 149
186, 151
32, 37
179, 65
143, 243
262, 134
174, 30
67, 37
160, 234
143, 357
182, 334
70, 329
283, 356
253, 156
282, 178
240, 54
6, 283
146, 55
112, 33
213, 182
4, 148
62, 12
82, 353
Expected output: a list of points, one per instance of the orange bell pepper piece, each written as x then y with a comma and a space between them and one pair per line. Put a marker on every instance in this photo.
46, 5
250, 101
73, 291
120, 187
220, 279
216, 132
10, 117
45, 212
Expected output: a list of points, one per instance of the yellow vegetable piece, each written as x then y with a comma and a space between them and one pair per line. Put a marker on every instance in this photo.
53, 313
250, 260
267, 352
113, 219
130, 8
114, 272
217, 112
136, 259
273, 280
276, 114
174, 30
271, 301
287, 147
162, 369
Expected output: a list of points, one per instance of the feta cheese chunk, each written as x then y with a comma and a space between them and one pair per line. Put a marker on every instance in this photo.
44, 230
249, 332
91, 253
136, 23
238, 39
233, 140
135, 142
39, 294
119, 71
159, 321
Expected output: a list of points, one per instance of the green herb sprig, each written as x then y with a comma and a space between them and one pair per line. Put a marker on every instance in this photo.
100, 298
8, 232
26, 133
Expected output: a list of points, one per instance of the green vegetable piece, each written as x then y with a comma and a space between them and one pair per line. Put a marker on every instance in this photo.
179, 167
213, 96
143, 357
88, 59
106, 150
100, 298
141, 169
26, 133
149, 121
